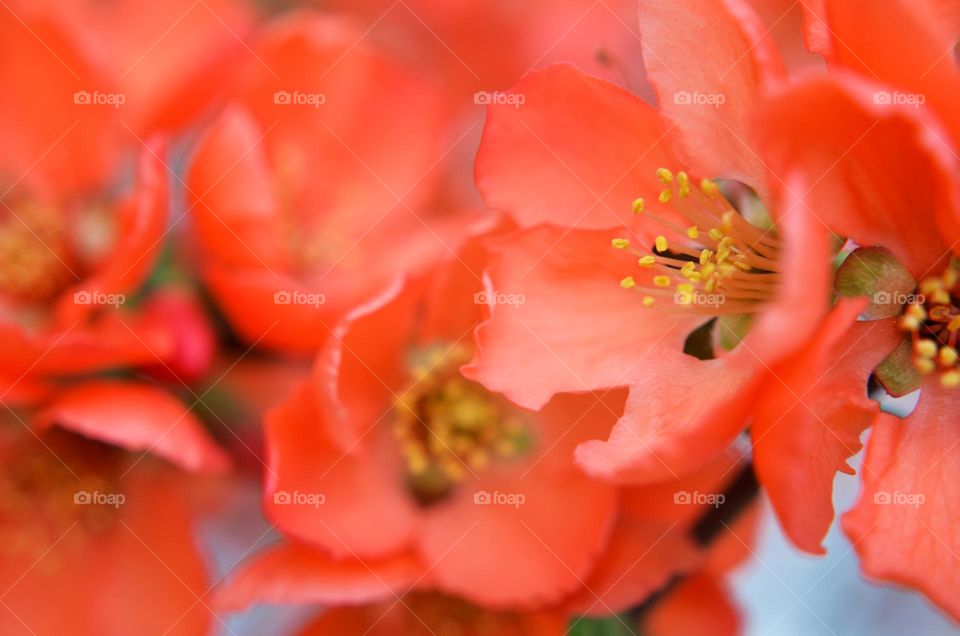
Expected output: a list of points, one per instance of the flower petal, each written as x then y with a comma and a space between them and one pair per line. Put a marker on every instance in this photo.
576, 153
709, 61
904, 526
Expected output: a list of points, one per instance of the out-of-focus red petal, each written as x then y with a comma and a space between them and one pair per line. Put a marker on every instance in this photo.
576, 153
697, 605
469, 538
138, 417
709, 61
904, 526
141, 228
351, 504
294, 573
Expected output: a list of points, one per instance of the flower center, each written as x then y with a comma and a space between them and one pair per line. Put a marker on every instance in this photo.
933, 320
34, 252
716, 263
448, 427
41, 499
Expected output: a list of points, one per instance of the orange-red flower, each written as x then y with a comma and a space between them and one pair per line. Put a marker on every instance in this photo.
308, 191
96, 539
732, 320
896, 195
389, 472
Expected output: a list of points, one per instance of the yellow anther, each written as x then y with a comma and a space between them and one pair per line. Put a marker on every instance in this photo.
661, 244
715, 234
687, 267
705, 256
661, 281
648, 301
909, 323
664, 175
950, 278
917, 311
692, 276
708, 269
685, 288
711, 285
693, 232
665, 196
620, 243
647, 261
684, 185
925, 348
628, 283
924, 365
726, 242
638, 206
930, 285
950, 379
947, 356
709, 188
940, 297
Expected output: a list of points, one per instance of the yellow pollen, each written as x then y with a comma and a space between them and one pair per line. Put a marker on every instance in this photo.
705, 256
685, 288
715, 234
638, 206
947, 356
620, 243
924, 365
665, 195
648, 301
647, 261
709, 188
661, 244
628, 282
693, 232
950, 379
664, 175
661, 281
925, 348
684, 182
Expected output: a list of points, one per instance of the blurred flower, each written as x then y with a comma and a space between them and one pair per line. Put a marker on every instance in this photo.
307, 192
389, 472
94, 539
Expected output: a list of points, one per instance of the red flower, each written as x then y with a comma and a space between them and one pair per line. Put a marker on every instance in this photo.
390, 462
745, 288
902, 209
308, 192
95, 539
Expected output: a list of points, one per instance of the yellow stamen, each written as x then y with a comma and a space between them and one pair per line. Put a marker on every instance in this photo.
664, 175
628, 282
638, 206
647, 261
661, 244
648, 301
693, 232
661, 281
620, 243
665, 196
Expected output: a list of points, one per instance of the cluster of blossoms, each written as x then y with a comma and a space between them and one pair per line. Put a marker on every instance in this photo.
701, 254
